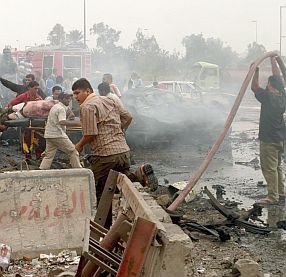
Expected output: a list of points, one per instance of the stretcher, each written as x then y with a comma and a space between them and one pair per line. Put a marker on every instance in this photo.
39, 123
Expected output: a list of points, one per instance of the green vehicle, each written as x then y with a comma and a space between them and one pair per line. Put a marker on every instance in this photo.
206, 75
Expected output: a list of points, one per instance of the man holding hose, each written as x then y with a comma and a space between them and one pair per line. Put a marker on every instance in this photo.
272, 132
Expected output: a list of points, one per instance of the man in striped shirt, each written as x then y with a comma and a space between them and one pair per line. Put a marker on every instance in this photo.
103, 121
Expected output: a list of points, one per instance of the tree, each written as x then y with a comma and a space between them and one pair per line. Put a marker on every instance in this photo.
106, 37
219, 54
75, 36
145, 45
147, 56
209, 50
57, 36
254, 50
196, 48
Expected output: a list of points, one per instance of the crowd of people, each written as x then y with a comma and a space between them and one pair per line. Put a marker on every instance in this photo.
103, 120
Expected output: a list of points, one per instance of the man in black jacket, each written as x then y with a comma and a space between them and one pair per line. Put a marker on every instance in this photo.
272, 132
19, 89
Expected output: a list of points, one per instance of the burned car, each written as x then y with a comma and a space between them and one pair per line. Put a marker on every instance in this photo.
191, 92
161, 117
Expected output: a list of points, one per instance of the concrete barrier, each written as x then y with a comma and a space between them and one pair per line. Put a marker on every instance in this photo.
171, 248
45, 210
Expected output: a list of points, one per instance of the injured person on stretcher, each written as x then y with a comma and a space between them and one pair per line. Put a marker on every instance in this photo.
32, 109
37, 110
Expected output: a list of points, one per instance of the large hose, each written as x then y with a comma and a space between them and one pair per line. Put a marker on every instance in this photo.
225, 129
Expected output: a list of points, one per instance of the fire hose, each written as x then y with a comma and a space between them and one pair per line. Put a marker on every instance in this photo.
204, 165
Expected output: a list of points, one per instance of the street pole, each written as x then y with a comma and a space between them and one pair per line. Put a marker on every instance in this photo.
281, 31
255, 21
280, 35
84, 24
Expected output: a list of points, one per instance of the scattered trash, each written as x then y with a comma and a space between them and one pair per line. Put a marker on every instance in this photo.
235, 218
46, 265
220, 191
227, 262
261, 184
246, 267
253, 163
281, 224
4, 143
201, 270
218, 232
179, 186
230, 204
5, 255
164, 200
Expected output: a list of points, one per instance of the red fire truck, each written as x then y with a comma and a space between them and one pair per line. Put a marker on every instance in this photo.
56, 60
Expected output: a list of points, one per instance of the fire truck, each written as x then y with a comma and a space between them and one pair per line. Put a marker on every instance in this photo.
56, 60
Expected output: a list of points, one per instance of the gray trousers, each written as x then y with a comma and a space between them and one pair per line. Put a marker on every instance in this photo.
63, 144
270, 160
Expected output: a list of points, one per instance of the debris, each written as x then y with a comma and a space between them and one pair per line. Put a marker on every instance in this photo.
46, 265
234, 218
253, 213
261, 184
201, 270
246, 268
253, 163
179, 186
193, 235
219, 233
4, 143
5, 255
230, 204
211, 274
220, 191
66, 274
27, 259
281, 224
164, 200
175, 217
227, 262
55, 272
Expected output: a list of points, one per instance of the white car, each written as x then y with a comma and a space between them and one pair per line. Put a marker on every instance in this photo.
184, 88
190, 91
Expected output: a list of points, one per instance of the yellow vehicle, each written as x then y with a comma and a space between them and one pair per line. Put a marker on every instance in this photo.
206, 75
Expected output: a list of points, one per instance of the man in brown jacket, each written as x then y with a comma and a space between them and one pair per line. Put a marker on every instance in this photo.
103, 121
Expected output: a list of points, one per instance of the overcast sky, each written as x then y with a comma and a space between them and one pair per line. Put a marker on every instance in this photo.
26, 22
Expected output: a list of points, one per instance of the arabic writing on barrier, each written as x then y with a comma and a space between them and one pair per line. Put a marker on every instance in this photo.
36, 211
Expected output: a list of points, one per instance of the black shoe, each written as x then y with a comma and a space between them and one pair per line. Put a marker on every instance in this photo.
149, 178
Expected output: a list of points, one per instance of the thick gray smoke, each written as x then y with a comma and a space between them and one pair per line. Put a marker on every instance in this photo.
159, 115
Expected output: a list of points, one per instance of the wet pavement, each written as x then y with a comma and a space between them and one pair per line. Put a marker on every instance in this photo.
238, 171
235, 167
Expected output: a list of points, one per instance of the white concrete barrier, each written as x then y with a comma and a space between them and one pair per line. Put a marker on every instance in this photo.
45, 210
171, 247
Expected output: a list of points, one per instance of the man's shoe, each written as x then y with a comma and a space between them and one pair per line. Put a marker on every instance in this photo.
148, 176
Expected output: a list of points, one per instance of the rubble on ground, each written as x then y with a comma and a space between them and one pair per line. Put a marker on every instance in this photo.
45, 265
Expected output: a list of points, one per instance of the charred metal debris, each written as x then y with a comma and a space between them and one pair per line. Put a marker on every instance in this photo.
234, 222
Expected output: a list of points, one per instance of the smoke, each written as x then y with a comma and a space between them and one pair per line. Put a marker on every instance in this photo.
159, 115
119, 68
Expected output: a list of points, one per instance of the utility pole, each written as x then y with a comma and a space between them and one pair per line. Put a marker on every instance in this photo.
84, 24
281, 35
255, 21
